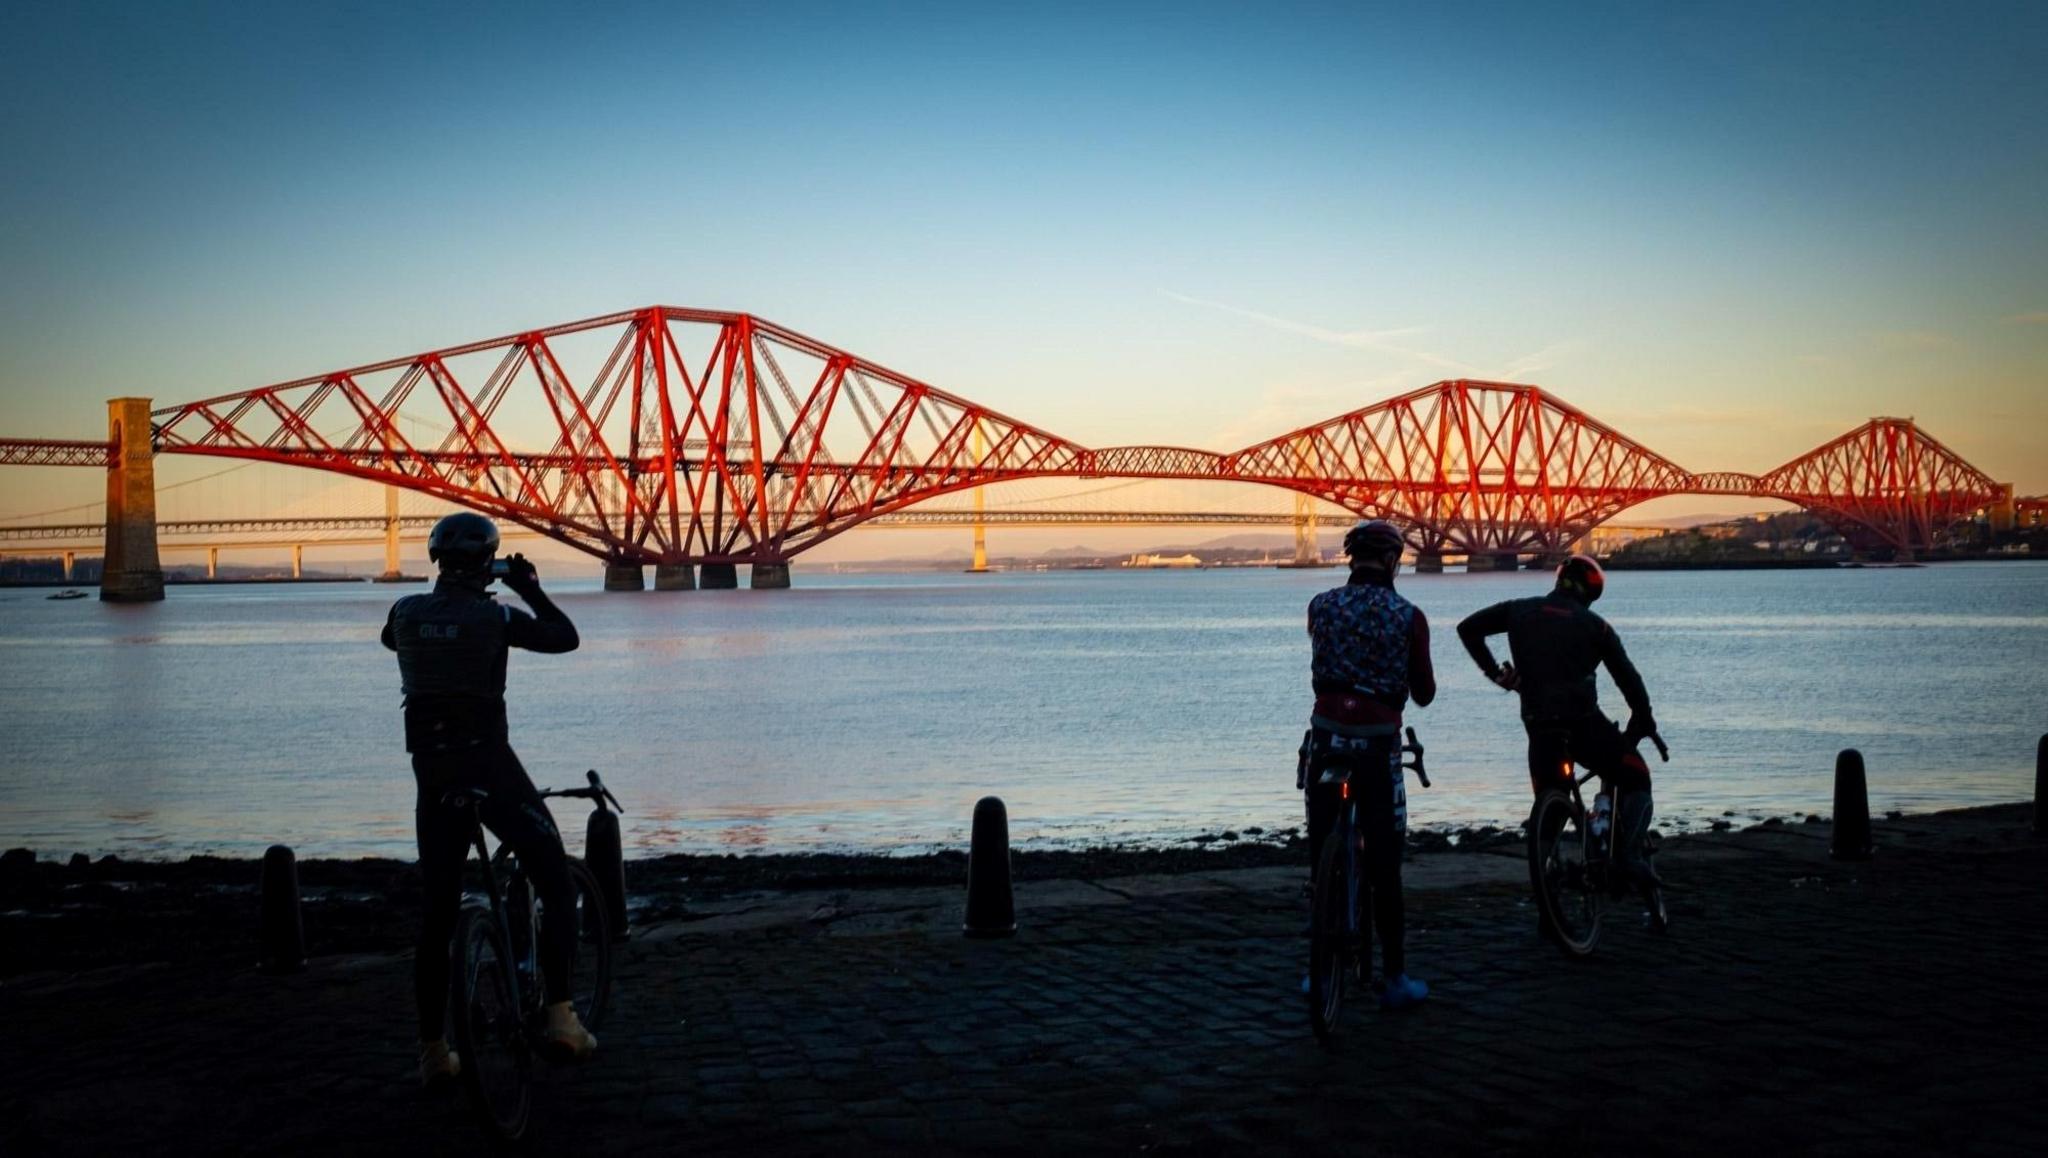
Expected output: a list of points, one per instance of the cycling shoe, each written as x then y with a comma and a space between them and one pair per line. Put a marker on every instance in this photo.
565, 1041
439, 1065
1403, 991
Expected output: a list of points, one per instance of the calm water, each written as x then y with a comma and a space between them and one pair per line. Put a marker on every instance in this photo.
870, 712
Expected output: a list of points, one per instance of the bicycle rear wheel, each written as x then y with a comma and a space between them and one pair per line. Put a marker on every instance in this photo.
1567, 894
1328, 936
590, 977
489, 1027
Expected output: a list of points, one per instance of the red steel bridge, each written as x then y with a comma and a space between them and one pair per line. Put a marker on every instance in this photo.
682, 437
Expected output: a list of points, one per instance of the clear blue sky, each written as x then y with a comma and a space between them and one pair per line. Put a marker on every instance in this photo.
1731, 230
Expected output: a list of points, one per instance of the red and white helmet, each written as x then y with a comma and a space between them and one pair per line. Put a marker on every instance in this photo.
1582, 576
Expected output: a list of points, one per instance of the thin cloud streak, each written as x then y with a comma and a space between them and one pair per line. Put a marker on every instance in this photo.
1356, 339
2031, 318
1537, 362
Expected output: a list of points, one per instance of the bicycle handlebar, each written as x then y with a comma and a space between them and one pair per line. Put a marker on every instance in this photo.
1415, 746
596, 792
1636, 737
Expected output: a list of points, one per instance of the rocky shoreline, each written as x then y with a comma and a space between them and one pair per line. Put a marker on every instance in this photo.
85, 913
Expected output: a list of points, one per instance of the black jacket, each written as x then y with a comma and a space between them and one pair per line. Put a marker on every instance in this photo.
1557, 644
452, 644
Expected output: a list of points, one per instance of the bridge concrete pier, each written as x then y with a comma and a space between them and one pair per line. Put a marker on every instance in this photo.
132, 571
70, 563
674, 577
2003, 512
393, 573
1429, 563
769, 577
624, 577
1499, 562
718, 576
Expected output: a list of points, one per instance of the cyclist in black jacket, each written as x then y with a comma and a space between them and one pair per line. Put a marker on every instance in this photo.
1557, 644
452, 646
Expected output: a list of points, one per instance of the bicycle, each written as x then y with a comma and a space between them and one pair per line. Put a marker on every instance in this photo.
1339, 941
1572, 863
495, 987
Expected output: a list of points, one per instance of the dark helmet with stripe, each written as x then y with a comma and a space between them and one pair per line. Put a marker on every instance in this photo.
1582, 576
1373, 539
463, 541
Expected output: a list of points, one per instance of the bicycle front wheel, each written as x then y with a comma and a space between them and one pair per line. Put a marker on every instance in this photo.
590, 977
489, 1027
1328, 936
1568, 897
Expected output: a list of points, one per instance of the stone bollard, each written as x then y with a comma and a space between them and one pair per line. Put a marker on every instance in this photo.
17, 870
284, 931
1852, 809
2040, 784
607, 862
991, 910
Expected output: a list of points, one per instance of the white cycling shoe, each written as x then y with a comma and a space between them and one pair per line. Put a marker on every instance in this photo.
439, 1065
564, 1039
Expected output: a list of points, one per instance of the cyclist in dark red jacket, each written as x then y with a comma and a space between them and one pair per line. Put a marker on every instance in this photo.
1371, 654
1557, 645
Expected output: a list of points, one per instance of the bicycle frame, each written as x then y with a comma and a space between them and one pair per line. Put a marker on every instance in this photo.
1345, 828
1339, 772
524, 963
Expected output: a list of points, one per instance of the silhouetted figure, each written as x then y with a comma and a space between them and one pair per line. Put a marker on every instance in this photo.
1371, 654
452, 646
1557, 644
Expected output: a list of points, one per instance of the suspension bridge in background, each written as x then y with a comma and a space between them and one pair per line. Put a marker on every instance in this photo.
696, 441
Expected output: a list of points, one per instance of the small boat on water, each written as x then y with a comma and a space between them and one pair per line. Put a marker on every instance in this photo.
67, 593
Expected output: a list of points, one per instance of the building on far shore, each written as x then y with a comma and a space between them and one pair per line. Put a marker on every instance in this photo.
1162, 561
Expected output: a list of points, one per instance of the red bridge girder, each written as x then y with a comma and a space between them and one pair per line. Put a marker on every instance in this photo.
1885, 483
54, 452
1474, 467
691, 436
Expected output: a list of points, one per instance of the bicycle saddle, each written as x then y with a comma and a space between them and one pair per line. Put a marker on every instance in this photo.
464, 797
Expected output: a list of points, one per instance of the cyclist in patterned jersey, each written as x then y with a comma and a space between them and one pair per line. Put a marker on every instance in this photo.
452, 647
1371, 654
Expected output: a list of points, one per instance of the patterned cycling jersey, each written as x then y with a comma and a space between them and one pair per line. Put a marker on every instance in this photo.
1360, 634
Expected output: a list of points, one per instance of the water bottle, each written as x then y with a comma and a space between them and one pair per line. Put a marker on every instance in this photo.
1603, 810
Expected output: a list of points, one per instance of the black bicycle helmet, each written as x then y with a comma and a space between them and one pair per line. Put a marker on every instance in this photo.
1582, 576
463, 541
1373, 539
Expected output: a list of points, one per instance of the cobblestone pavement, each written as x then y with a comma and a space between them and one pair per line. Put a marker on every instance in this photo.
1800, 1005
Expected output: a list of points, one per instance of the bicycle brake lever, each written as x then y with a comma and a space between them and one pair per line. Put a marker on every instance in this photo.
598, 785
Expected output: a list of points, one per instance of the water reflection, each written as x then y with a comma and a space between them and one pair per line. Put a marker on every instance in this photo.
871, 712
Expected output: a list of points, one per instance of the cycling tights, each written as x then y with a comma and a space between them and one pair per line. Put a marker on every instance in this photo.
512, 810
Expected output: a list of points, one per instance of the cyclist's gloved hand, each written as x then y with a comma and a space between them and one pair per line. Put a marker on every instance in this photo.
520, 575
1506, 678
1640, 725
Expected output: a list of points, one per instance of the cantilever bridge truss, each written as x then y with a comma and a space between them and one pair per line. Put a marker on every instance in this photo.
669, 435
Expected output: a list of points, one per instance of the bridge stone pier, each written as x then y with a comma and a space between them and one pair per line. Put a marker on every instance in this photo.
718, 576
133, 572
1429, 563
769, 576
625, 577
1501, 562
674, 577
